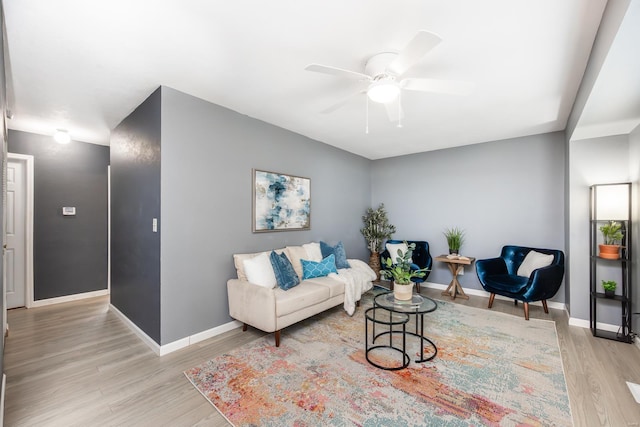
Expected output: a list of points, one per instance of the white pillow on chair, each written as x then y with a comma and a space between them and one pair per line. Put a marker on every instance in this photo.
393, 250
533, 261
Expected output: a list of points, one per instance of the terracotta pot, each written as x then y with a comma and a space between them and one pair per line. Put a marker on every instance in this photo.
402, 292
374, 263
609, 251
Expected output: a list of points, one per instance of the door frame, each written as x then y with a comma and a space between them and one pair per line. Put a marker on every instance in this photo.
29, 168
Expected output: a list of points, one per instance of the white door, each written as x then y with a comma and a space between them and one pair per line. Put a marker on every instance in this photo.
15, 253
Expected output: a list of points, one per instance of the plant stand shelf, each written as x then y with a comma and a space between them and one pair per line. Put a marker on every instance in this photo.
620, 268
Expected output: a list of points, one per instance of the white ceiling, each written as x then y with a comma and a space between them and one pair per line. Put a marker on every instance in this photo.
85, 65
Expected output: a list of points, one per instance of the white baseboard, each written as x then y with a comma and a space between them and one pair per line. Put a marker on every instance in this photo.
161, 350
69, 298
483, 293
582, 323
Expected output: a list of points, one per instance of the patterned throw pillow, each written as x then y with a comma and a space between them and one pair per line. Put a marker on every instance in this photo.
285, 274
338, 251
311, 269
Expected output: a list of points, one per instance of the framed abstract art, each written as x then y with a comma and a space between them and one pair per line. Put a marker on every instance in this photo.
280, 202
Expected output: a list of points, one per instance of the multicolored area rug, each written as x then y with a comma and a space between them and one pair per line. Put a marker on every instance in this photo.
492, 369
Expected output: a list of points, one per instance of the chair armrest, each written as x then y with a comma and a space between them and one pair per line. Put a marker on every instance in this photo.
490, 267
544, 282
252, 304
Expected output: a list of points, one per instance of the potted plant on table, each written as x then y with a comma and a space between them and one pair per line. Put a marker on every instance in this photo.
455, 238
401, 272
609, 287
613, 235
376, 231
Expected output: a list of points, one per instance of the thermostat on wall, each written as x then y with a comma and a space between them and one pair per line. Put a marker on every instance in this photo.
69, 210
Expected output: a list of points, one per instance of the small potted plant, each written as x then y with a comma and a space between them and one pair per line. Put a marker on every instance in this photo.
401, 273
376, 230
455, 238
609, 287
612, 234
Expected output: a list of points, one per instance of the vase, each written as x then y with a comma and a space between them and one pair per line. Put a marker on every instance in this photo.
402, 292
453, 251
374, 263
609, 251
609, 294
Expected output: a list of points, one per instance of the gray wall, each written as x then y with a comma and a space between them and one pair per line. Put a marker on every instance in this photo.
135, 201
70, 253
207, 156
3, 154
502, 192
592, 161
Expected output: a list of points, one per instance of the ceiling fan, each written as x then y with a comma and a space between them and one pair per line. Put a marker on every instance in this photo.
383, 75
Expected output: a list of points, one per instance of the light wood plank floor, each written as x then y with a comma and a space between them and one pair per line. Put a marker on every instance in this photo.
78, 364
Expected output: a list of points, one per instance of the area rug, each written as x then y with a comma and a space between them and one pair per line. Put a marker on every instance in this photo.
491, 369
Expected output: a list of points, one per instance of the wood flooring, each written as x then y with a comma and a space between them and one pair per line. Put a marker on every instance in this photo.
77, 364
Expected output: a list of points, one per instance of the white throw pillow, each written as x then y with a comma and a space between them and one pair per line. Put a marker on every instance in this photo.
313, 251
259, 271
533, 261
393, 250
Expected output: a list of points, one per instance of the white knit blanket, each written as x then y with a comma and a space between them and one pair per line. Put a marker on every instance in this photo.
357, 280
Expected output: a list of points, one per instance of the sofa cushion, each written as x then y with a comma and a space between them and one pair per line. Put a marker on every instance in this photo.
335, 286
338, 251
285, 274
313, 251
533, 261
259, 271
302, 296
238, 261
295, 254
311, 269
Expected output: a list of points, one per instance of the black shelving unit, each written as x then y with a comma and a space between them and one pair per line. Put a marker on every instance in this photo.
601, 214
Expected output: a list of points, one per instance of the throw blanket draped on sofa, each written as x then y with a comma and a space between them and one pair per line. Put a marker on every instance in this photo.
357, 280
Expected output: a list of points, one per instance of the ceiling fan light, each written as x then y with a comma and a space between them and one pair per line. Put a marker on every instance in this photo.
62, 136
383, 91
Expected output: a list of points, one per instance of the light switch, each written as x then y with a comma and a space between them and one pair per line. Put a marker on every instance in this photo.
155, 225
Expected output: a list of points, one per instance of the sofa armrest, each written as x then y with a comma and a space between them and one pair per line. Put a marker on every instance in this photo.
544, 282
252, 304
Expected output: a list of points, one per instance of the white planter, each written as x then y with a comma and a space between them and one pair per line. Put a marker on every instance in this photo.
402, 292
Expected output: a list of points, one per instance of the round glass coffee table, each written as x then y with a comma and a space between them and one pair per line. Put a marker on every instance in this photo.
418, 306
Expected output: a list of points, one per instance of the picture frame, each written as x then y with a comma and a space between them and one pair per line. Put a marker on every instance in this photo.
280, 202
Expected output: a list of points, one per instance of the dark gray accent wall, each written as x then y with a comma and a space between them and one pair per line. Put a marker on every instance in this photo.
207, 155
135, 201
502, 192
69, 252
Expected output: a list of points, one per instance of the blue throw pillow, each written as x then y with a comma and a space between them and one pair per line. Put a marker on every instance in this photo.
338, 251
285, 274
311, 269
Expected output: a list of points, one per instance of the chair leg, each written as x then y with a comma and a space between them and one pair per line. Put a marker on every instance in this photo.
491, 298
244, 327
277, 334
418, 287
358, 303
544, 305
526, 310
515, 302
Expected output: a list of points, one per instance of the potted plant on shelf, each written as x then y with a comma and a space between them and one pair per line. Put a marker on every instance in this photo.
376, 231
455, 238
609, 287
612, 234
401, 273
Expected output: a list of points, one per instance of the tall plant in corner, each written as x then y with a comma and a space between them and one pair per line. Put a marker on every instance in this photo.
376, 231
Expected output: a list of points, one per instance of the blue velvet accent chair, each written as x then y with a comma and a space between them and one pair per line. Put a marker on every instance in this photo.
421, 259
499, 276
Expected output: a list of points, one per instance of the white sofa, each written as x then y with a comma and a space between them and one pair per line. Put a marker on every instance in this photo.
272, 309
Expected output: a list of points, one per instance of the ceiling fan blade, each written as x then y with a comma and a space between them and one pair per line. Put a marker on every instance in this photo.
326, 69
421, 43
342, 103
450, 87
394, 110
